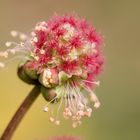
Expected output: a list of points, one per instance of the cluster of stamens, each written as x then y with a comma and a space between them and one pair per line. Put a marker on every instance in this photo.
76, 104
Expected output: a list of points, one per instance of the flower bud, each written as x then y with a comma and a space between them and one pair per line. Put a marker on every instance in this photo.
49, 77
25, 75
52, 94
48, 94
30, 70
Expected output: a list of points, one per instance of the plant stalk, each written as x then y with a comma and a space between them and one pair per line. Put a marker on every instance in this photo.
20, 113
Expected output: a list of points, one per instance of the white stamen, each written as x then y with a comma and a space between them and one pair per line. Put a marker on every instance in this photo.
47, 73
2, 65
88, 114
70, 31
42, 51
96, 83
35, 39
4, 54
74, 124
14, 33
21, 44
52, 100
58, 110
51, 119
57, 122
93, 45
36, 58
51, 80
22, 36
33, 34
80, 113
89, 110
93, 96
8, 44
43, 23
12, 51
46, 109
76, 103
46, 82
97, 104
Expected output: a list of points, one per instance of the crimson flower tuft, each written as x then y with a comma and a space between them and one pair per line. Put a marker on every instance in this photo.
64, 55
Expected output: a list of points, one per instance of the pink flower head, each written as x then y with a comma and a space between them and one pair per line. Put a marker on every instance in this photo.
64, 55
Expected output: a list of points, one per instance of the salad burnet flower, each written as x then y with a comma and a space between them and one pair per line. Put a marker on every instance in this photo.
64, 55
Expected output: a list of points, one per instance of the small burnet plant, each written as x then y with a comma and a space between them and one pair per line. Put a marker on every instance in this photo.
64, 55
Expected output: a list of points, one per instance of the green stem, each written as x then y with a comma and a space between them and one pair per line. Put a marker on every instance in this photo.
27, 103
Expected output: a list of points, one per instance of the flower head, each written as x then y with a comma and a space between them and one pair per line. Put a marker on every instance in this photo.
64, 56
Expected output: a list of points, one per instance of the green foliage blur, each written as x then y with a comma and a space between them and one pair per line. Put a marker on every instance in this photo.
119, 116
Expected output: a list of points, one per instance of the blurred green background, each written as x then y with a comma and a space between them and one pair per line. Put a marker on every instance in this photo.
119, 116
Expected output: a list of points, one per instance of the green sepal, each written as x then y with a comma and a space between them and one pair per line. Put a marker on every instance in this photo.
63, 77
31, 73
23, 75
50, 93
59, 91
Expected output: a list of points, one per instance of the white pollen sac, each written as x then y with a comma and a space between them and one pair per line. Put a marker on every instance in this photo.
21, 44
46, 109
57, 122
81, 106
51, 119
8, 44
22, 37
42, 51
43, 23
43, 28
97, 83
93, 97
80, 113
4, 54
12, 51
89, 110
48, 73
33, 34
36, 58
46, 82
35, 39
2, 65
88, 114
51, 80
70, 31
37, 28
74, 54
93, 45
97, 104
74, 124
14, 33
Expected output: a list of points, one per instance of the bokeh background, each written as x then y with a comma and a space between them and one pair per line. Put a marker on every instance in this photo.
119, 116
